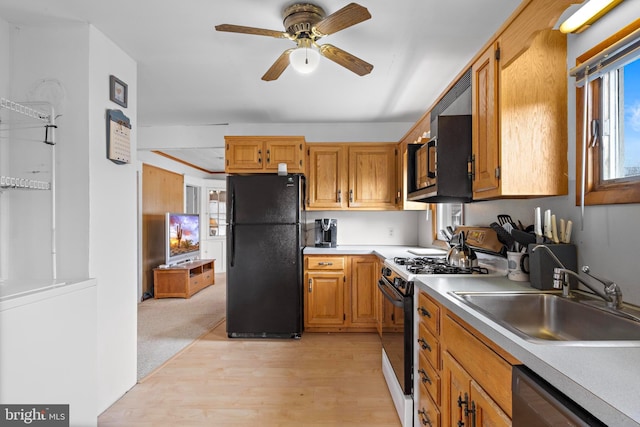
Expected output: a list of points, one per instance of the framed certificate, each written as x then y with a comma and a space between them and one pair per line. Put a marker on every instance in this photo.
118, 137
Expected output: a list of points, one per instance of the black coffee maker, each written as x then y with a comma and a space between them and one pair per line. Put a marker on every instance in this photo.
326, 233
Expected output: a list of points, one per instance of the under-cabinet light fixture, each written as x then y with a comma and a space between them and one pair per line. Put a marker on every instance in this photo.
588, 13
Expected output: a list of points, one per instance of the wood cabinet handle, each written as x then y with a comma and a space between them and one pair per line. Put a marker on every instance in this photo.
339, 196
259, 156
268, 156
351, 196
325, 263
310, 283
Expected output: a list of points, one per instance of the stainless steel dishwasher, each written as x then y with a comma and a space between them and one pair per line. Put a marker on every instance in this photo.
536, 403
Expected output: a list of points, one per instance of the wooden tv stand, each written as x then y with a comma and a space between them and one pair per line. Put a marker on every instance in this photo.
183, 280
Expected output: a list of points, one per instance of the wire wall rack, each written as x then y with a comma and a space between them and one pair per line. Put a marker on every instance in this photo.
9, 182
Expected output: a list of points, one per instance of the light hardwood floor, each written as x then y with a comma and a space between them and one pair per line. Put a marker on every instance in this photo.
319, 380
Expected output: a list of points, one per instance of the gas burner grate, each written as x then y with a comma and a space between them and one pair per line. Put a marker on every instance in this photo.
444, 268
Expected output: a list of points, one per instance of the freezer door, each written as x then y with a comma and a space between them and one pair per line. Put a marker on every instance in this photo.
266, 198
264, 281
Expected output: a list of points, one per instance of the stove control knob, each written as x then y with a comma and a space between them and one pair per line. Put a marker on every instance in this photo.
399, 282
386, 271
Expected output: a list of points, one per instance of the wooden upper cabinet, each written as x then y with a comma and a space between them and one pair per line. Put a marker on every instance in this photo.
484, 119
255, 154
352, 176
372, 176
326, 176
519, 115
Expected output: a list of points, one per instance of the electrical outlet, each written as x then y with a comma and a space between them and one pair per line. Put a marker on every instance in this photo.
390, 231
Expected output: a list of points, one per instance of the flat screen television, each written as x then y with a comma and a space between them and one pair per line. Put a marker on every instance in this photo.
182, 237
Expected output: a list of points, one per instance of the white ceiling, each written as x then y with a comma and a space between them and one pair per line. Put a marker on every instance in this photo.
190, 74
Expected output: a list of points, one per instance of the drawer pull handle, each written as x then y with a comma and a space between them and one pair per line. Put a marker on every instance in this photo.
425, 345
424, 417
424, 312
425, 377
325, 263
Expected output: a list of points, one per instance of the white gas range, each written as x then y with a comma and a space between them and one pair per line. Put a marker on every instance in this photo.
396, 283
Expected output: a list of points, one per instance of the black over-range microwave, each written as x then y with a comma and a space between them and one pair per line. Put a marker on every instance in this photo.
438, 170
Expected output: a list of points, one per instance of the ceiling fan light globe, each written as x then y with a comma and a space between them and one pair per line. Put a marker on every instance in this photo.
304, 59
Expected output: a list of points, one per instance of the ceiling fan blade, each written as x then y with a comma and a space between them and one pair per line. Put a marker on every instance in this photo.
349, 15
251, 30
345, 59
278, 67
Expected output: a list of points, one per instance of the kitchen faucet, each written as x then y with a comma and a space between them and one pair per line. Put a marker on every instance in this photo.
612, 292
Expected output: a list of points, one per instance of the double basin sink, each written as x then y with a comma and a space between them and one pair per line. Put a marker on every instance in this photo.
548, 317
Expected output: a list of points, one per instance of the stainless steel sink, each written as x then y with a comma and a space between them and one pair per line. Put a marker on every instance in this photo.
552, 319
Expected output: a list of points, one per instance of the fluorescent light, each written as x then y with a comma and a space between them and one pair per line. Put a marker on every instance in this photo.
588, 13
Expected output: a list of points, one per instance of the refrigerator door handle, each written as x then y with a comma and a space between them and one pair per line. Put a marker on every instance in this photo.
232, 234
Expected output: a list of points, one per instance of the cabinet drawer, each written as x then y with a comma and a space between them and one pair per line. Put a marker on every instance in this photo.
429, 378
325, 263
428, 412
428, 345
429, 313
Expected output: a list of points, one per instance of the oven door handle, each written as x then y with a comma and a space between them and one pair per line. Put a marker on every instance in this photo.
395, 299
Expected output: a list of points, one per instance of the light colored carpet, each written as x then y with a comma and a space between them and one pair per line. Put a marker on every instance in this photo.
167, 325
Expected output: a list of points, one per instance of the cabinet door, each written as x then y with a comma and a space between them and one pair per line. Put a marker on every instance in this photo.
372, 176
487, 412
289, 151
244, 155
364, 276
455, 392
324, 299
484, 113
327, 176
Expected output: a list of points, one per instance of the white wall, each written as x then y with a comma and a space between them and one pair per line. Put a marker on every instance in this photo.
43, 60
113, 229
96, 199
369, 227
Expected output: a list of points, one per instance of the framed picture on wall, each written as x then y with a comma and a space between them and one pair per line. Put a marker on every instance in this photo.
118, 91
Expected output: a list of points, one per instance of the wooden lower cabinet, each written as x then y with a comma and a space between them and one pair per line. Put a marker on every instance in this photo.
183, 280
462, 378
428, 366
465, 402
364, 276
340, 293
428, 411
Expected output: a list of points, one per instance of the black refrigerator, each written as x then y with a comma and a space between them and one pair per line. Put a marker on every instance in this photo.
265, 215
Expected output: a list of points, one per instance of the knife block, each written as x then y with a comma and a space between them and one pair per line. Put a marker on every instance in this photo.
541, 264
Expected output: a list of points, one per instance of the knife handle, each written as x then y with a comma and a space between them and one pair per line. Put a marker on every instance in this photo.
547, 224
567, 234
554, 230
562, 231
538, 222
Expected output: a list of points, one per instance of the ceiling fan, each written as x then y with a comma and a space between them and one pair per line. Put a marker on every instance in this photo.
305, 24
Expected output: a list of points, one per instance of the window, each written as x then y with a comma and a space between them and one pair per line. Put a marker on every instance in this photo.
620, 122
611, 148
447, 215
217, 212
